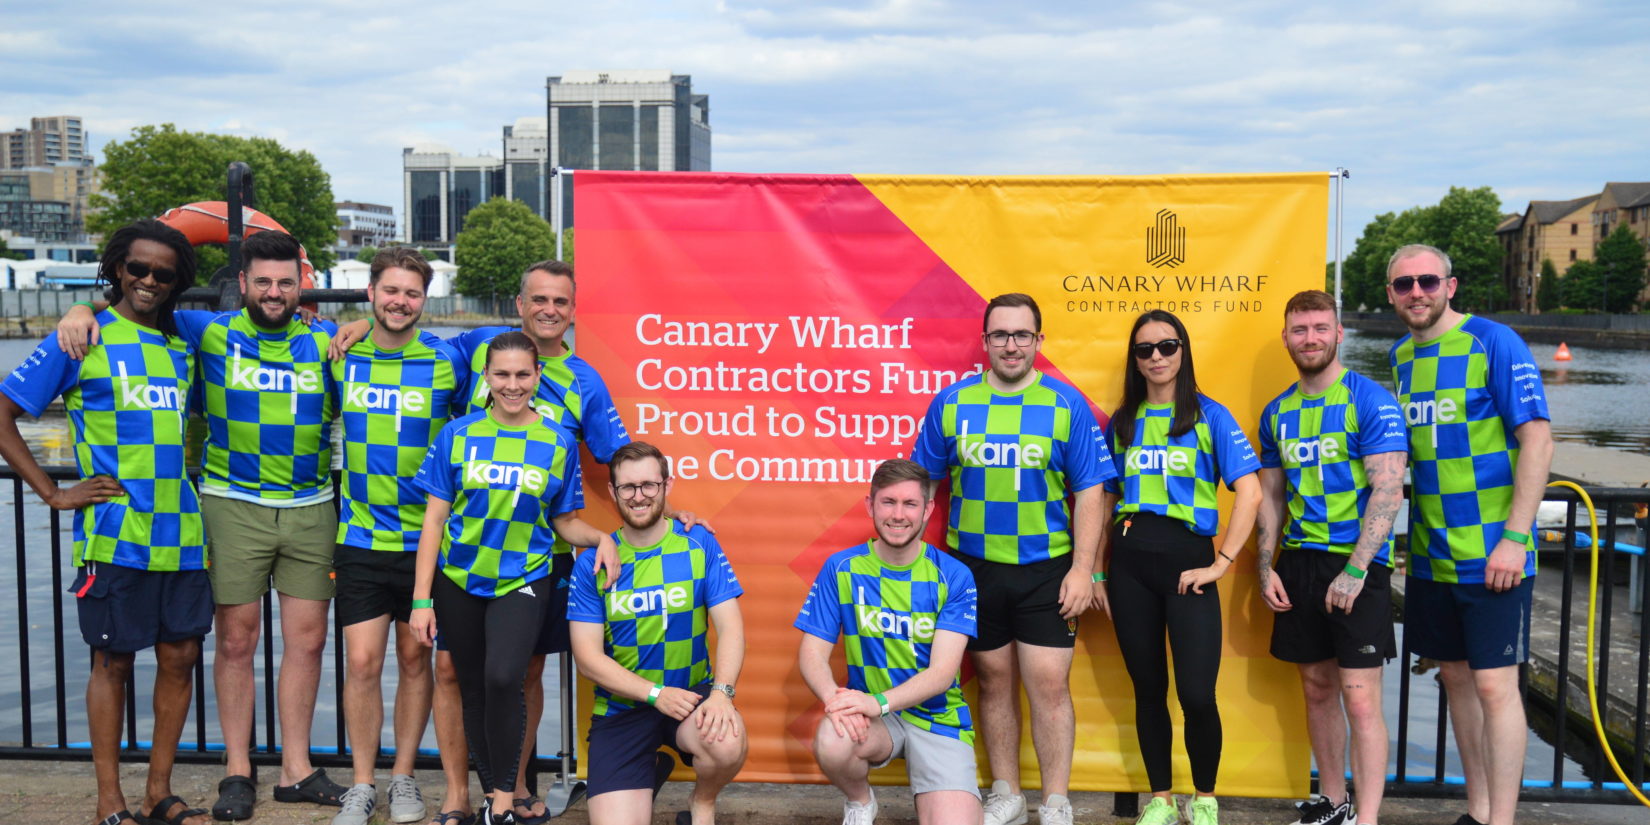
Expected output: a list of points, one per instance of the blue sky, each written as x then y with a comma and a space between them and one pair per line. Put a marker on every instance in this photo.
1535, 98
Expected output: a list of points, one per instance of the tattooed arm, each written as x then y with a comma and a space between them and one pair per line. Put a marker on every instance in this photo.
1268, 530
1385, 472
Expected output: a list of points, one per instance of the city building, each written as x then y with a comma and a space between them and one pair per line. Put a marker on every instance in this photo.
638, 120
527, 164
361, 225
1619, 203
47, 141
440, 188
1547, 231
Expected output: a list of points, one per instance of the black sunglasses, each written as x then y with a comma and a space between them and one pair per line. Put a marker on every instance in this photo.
141, 270
1428, 283
1166, 348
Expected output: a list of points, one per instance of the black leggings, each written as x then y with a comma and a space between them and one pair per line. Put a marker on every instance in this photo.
490, 641
1145, 573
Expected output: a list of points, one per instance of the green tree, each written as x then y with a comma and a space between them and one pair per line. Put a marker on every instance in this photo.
567, 245
1462, 224
160, 167
1548, 296
500, 239
1581, 286
366, 254
7, 253
1621, 264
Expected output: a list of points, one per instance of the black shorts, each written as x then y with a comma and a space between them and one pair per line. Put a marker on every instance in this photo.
124, 610
1020, 603
553, 635
622, 747
1308, 633
373, 583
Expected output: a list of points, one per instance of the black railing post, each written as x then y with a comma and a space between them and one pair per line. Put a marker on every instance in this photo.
23, 674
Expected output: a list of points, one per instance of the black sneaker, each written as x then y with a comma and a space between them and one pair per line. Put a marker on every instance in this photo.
1320, 811
506, 818
1466, 819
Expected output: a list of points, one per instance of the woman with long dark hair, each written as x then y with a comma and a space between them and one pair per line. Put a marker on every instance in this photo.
1173, 446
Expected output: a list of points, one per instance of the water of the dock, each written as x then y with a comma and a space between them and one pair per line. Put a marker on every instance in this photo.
61, 793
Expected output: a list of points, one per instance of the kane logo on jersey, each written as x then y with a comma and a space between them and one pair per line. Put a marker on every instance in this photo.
980, 451
873, 619
247, 374
1160, 459
651, 600
487, 474
386, 399
146, 396
1432, 411
1325, 447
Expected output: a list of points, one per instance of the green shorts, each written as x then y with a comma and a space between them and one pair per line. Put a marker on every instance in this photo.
252, 544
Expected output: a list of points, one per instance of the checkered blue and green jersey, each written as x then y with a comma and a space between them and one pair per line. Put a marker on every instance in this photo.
505, 484
1320, 442
1179, 476
392, 403
570, 392
655, 616
888, 616
1464, 394
1012, 459
126, 404
268, 400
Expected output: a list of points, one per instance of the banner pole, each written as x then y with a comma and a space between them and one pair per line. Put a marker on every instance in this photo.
1341, 174
560, 220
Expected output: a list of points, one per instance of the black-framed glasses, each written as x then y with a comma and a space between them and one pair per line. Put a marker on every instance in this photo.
140, 270
646, 488
1166, 348
1000, 338
1428, 283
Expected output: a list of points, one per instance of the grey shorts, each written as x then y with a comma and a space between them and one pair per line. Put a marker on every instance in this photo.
933, 762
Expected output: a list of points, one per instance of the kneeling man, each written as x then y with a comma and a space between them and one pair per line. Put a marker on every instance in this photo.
908, 612
643, 644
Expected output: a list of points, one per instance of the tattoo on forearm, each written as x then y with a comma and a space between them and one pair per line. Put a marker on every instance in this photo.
1385, 472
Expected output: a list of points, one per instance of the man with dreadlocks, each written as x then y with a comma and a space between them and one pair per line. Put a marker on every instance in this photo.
138, 541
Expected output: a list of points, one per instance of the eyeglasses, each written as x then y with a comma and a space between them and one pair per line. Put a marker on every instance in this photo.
1428, 283
1001, 339
140, 270
266, 284
1166, 348
646, 488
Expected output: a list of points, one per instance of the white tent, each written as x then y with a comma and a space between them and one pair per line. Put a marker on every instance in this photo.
350, 274
442, 284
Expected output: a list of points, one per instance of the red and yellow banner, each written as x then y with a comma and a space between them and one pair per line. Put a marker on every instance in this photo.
778, 336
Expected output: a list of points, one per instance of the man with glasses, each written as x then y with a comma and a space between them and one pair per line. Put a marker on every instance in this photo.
267, 505
1332, 450
138, 544
1480, 443
643, 642
1014, 443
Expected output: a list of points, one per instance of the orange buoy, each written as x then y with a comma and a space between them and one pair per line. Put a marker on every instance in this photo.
1563, 353
208, 222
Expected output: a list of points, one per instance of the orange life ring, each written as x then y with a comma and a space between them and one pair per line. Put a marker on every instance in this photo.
208, 222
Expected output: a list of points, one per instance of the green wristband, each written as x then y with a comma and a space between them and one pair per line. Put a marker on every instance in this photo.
87, 304
1514, 535
882, 702
1098, 577
653, 695
1354, 571
417, 603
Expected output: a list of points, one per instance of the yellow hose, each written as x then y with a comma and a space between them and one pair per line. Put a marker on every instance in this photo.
1592, 631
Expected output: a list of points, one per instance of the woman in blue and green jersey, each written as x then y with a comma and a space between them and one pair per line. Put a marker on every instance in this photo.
1173, 446
503, 483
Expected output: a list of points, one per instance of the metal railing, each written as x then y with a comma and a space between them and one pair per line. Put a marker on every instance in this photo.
199, 748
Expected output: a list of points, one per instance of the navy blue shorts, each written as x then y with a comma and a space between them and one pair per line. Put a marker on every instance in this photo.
622, 747
124, 610
1468, 622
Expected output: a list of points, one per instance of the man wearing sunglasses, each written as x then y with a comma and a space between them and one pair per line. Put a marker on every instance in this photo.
266, 486
1014, 443
1480, 443
138, 540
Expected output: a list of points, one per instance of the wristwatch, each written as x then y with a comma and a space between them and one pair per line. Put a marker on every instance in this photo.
726, 689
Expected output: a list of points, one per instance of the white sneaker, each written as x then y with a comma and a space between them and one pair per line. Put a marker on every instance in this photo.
1055, 810
358, 803
860, 813
1004, 808
406, 802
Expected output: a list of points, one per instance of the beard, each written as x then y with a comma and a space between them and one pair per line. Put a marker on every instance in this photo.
1325, 356
256, 311
646, 519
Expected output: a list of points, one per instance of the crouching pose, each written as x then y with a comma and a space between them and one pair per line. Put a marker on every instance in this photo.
907, 611
644, 646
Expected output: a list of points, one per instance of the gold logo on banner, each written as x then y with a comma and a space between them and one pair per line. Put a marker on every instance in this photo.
1166, 241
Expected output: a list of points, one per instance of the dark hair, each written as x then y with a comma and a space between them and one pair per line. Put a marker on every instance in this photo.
120, 246
1187, 410
897, 470
1310, 300
551, 267
270, 245
1013, 299
511, 341
400, 257
638, 451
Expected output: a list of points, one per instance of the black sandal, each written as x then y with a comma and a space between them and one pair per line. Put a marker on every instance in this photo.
236, 796
455, 817
153, 817
118, 817
531, 818
315, 788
